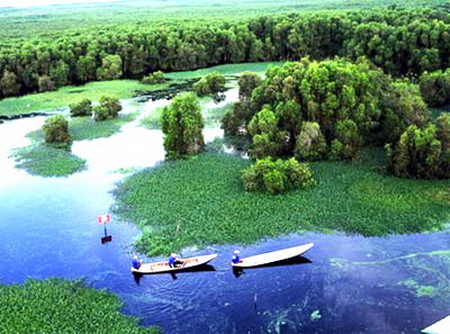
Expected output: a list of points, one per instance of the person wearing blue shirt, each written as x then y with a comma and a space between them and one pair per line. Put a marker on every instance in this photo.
136, 263
174, 261
236, 259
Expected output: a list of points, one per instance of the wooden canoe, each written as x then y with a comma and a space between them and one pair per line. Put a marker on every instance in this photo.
163, 266
271, 257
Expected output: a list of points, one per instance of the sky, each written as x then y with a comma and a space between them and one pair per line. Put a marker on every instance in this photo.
28, 3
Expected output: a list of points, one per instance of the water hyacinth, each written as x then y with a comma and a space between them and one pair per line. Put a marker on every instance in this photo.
202, 201
63, 306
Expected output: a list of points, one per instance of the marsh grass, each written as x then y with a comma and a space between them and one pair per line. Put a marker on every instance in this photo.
48, 160
63, 306
200, 201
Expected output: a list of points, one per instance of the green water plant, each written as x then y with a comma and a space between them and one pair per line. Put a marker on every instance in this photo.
48, 160
201, 201
62, 306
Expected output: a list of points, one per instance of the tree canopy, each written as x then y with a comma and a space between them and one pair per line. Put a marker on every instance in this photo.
182, 125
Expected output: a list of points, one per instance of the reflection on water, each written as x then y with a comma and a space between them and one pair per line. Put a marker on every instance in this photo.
345, 284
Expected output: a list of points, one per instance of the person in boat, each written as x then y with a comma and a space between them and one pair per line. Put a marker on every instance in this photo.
174, 261
136, 262
236, 258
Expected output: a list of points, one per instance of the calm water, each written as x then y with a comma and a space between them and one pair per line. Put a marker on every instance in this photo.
345, 284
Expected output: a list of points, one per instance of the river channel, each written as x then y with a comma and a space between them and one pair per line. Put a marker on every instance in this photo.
345, 284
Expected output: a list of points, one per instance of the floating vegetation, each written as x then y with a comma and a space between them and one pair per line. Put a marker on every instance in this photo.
63, 306
85, 128
48, 160
421, 290
315, 315
205, 198
427, 272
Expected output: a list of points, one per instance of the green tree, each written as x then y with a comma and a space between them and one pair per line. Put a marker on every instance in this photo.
266, 136
402, 106
435, 88
9, 84
417, 154
45, 83
182, 125
111, 68
56, 130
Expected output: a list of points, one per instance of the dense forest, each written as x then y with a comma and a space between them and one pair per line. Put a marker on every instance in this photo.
403, 42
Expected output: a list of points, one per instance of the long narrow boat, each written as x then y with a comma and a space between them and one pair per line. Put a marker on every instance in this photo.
163, 266
270, 257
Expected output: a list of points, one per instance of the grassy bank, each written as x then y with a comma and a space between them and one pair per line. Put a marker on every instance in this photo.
201, 201
60, 306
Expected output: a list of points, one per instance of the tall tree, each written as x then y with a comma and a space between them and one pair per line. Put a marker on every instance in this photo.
182, 125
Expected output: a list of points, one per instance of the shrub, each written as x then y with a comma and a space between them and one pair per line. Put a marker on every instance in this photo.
154, 78
108, 107
56, 130
278, 176
210, 84
81, 108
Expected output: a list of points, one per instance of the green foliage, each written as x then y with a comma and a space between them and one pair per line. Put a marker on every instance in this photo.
311, 143
422, 153
435, 88
182, 125
154, 78
46, 84
247, 82
107, 108
278, 176
204, 197
9, 84
340, 97
61, 306
111, 68
56, 130
48, 160
402, 106
406, 41
212, 83
347, 142
81, 108
235, 121
267, 139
